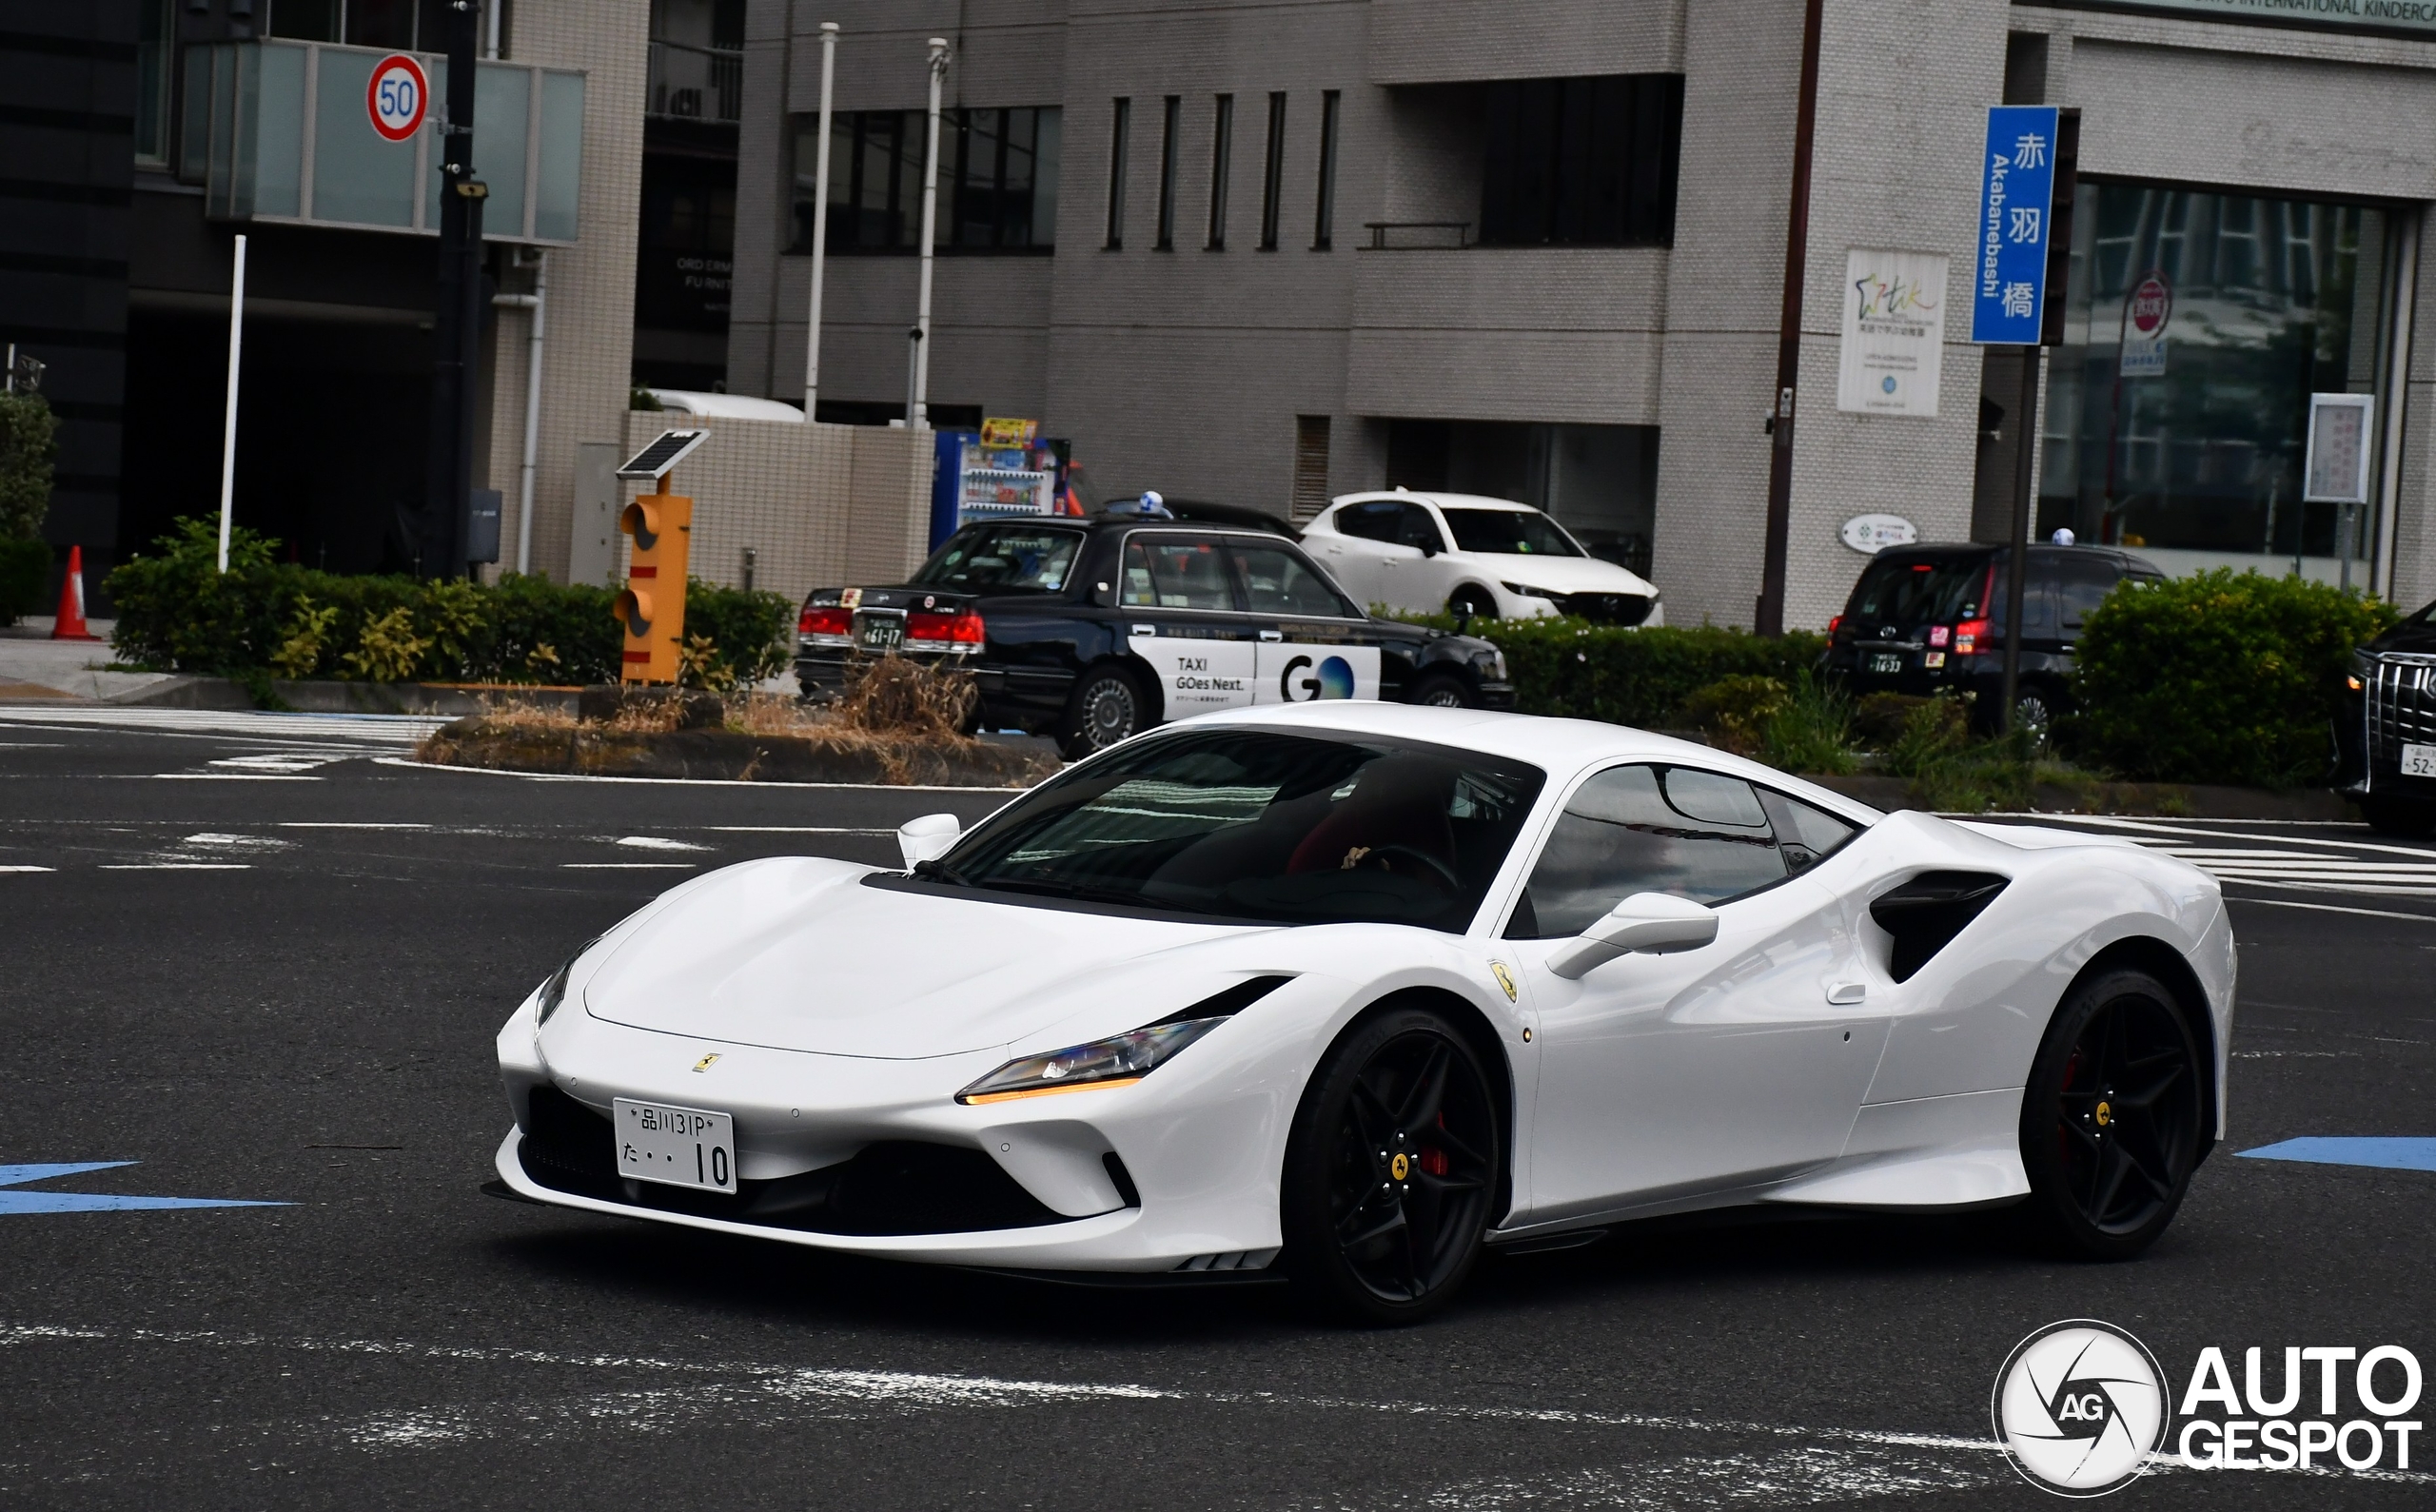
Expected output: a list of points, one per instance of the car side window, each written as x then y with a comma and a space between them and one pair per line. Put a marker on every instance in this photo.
2085, 586
1375, 520
1176, 572
1277, 581
1647, 829
1415, 527
1805, 835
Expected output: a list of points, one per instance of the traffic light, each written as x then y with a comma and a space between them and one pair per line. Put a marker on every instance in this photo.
651, 608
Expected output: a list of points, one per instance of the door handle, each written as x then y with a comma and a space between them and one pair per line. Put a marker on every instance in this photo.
1273, 634
1844, 994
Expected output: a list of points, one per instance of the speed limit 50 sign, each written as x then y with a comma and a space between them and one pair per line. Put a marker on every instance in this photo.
397, 96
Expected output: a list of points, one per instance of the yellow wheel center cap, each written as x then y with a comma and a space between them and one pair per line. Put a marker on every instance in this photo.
1401, 1167
2104, 1114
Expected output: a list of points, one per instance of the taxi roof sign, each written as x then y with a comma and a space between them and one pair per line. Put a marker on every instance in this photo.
655, 461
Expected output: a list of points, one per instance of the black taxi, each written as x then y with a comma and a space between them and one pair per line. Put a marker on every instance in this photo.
1091, 629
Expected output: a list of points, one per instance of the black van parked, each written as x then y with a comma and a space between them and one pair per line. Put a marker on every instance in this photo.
1928, 618
2385, 740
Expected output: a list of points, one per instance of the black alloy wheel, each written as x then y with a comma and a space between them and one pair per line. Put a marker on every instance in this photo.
1390, 1170
1108, 706
2111, 1119
1440, 690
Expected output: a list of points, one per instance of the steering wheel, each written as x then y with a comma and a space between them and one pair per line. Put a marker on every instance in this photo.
1380, 855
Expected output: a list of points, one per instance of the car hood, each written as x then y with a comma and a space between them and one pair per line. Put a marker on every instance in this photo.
798, 953
1562, 573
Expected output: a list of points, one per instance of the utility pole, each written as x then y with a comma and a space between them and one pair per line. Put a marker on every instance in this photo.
819, 224
917, 412
457, 324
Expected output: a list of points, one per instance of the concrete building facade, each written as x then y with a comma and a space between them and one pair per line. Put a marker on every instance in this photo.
1266, 253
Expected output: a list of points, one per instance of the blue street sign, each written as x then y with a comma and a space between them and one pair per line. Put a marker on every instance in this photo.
2016, 192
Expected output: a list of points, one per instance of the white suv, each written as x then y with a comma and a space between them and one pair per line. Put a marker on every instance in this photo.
1423, 553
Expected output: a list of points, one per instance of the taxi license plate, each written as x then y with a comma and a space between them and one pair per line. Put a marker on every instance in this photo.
681, 1147
2418, 760
1886, 662
879, 632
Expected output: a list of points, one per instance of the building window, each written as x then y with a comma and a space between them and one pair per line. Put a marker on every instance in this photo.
1324, 227
1587, 161
1272, 174
998, 179
1118, 130
1174, 113
1222, 147
2187, 443
696, 67
154, 33
1310, 461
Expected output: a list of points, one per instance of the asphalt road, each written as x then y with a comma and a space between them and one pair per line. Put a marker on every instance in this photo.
264, 963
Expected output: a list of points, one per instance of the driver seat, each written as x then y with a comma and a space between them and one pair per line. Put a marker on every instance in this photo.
1396, 801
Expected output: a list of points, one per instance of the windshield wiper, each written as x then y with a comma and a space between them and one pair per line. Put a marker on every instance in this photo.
940, 871
1053, 886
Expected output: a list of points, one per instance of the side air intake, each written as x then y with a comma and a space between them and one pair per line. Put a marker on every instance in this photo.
1925, 914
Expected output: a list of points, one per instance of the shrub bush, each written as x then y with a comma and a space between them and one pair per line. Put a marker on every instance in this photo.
1579, 670
2217, 678
28, 447
25, 571
177, 613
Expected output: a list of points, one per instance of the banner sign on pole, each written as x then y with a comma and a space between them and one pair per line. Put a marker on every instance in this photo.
1894, 332
2017, 195
2336, 470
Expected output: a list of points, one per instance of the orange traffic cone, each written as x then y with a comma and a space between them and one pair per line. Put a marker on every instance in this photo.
70, 623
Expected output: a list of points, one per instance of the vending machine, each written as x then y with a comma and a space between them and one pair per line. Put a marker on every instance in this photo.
1001, 471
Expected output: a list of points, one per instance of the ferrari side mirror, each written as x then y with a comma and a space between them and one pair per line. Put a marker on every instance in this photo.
1658, 923
928, 838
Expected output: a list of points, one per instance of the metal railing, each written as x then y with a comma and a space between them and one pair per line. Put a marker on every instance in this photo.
695, 84
1407, 236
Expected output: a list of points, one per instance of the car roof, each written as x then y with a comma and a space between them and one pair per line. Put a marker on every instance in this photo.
1562, 748
1442, 499
2038, 550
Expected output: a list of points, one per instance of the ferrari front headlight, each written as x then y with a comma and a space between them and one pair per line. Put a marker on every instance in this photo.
1118, 1061
554, 991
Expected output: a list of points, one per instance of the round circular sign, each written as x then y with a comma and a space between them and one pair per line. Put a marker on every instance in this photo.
397, 96
2150, 306
1872, 534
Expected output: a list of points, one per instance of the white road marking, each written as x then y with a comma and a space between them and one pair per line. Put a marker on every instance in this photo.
653, 842
230, 777
286, 761
2335, 908
177, 866
349, 824
239, 842
794, 829
628, 866
692, 782
29, 869
1819, 1465
2169, 828
384, 729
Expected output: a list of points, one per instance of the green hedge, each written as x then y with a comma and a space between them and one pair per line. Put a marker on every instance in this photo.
25, 572
2217, 678
1577, 669
177, 613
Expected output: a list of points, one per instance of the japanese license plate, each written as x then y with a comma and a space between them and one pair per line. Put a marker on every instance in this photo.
1886, 662
682, 1147
879, 632
2418, 760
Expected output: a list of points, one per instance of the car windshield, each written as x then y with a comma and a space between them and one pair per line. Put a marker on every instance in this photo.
1510, 533
1906, 590
1003, 558
1256, 824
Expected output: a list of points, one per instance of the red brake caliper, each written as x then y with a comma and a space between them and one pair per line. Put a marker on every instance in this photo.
1433, 1159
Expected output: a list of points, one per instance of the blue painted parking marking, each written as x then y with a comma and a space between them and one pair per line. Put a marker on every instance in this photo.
90, 1202
2385, 1155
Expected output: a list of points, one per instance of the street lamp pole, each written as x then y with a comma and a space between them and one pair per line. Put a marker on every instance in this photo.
457, 325
819, 224
918, 413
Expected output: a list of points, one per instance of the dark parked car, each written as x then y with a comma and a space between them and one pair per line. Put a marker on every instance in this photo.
1094, 629
1924, 618
2386, 739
